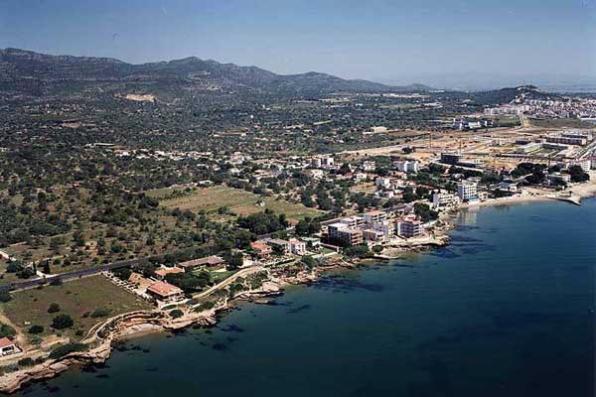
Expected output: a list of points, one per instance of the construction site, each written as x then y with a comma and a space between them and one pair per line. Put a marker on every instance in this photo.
494, 148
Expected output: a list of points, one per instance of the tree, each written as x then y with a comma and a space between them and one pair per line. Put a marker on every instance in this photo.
54, 308
176, 313
7, 331
4, 295
45, 267
577, 174
234, 260
357, 251
425, 213
62, 321
308, 261
35, 329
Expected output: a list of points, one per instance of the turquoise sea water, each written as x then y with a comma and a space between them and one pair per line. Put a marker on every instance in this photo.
506, 310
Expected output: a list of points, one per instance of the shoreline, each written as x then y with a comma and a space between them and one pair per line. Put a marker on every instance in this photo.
128, 326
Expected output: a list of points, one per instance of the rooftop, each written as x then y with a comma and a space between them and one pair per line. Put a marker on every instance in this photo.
164, 289
212, 260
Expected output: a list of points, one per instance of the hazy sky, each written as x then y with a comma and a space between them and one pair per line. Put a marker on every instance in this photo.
390, 41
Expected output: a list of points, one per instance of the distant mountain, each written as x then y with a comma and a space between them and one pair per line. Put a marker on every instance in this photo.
511, 95
30, 73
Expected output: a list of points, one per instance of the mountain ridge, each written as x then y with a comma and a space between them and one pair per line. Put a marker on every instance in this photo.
43, 74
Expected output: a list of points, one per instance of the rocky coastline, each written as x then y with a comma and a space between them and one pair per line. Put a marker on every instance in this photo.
103, 337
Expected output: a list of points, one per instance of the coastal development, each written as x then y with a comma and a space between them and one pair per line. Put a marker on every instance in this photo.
128, 210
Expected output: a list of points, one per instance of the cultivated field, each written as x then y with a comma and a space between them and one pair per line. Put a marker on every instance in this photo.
238, 201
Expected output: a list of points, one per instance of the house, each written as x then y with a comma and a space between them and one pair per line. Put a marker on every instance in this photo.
163, 271
8, 347
510, 187
282, 245
209, 261
383, 183
165, 292
262, 249
297, 247
315, 174
369, 165
139, 281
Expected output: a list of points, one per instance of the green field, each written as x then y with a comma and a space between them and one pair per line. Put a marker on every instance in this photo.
77, 298
237, 201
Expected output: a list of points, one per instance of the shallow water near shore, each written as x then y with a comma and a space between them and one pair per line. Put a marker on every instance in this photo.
507, 309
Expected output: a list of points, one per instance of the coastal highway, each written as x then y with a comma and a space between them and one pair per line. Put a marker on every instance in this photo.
27, 284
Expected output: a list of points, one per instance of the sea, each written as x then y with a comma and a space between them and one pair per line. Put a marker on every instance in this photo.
507, 309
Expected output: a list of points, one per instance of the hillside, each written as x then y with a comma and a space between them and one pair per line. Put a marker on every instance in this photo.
33, 74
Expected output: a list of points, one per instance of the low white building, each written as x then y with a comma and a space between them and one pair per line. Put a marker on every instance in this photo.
297, 247
383, 182
369, 166
442, 199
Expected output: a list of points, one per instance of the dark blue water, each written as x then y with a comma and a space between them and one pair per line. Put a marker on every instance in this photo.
506, 310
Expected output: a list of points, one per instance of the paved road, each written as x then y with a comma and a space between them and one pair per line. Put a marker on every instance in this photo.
27, 284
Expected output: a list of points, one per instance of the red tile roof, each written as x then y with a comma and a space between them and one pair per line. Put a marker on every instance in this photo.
5, 342
163, 289
168, 270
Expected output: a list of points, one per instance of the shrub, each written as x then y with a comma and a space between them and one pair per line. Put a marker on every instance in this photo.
63, 350
54, 308
176, 313
35, 329
100, 312
7, 331
205, 306
26, 362
62, 321
5, 296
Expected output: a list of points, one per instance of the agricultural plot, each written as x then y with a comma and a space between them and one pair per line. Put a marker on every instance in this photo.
237, 201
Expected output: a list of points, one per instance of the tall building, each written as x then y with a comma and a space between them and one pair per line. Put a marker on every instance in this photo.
409, 226
406, 165
467, 190
450, 158
342, 234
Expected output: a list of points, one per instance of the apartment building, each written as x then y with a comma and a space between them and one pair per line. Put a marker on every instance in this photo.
409, 226
442, 199
341, 233
467, 190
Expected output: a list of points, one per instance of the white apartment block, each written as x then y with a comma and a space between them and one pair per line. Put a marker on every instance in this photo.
467, 190
406, 165
442, 198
